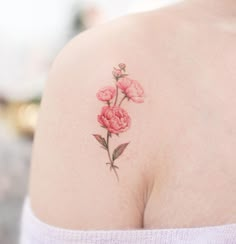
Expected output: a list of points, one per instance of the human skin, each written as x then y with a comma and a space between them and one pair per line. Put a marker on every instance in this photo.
179, 170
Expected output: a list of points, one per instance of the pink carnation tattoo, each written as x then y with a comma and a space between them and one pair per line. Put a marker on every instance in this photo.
113, 117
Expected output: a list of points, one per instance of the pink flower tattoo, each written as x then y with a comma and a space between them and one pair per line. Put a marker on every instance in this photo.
113, 118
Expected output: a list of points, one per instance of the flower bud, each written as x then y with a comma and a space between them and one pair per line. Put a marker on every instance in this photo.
122, 66
117, 73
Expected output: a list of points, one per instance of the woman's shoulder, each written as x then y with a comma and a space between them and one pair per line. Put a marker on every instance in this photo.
72, 182
128, 34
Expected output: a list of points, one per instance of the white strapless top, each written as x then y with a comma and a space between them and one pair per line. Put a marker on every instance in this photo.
34, 231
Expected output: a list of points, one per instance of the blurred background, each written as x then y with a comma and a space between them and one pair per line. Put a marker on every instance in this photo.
32, 33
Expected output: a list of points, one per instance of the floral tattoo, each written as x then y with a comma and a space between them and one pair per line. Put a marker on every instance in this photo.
113, 117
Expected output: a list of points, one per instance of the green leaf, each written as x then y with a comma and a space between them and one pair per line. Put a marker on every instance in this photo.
101, 140
104, 148
119, 150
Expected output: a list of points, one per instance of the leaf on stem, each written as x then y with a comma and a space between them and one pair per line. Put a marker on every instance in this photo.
101, 140
119, 150
104, 148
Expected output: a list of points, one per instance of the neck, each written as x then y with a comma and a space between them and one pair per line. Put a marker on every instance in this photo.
218, 8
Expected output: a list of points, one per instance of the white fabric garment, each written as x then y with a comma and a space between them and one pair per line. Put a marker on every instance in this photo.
34, 231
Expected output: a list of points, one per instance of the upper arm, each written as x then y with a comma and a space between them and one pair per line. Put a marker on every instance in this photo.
71, 185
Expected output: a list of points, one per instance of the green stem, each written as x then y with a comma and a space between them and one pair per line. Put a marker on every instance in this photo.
116, 96
109, 155
116, 173
108, 150
122, 100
